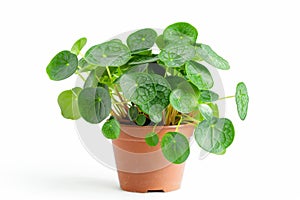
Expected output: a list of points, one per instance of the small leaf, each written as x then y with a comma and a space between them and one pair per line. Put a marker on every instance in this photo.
133, 113
68, 103
174, 81
143, 52
78, 45
242, 100
181, 32
142, 39
215, 136
155, 113
161, 99
175, 147
206, 111
62, 66
199, 75
140, 120
214, 107
160, 42
94, 104
175, 55
93, 79
183, 101
111, 129
84, 66
142, 60
138, 87
152, 139
112, 53
208, 96
204, 51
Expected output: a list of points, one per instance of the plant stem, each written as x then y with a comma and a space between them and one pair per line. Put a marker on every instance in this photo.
122, 103
81, 77
108, 72
226, 97
190, 118
178, 124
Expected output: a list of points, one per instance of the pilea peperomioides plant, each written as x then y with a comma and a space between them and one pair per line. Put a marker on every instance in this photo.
129, 84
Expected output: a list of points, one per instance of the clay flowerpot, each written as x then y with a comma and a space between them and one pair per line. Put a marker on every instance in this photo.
142, 168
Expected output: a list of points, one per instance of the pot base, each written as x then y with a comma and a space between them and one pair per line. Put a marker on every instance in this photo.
163, 180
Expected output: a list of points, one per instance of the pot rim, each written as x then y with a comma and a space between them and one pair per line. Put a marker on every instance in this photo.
169, 126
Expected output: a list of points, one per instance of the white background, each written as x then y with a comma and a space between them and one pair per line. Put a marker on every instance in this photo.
41, 156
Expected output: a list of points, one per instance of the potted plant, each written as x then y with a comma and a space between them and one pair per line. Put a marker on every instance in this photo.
150, 103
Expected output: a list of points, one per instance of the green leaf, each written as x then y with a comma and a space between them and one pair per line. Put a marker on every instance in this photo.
68, 103
183, 101
215, 136
138, 87
214, 107
152, 139
84, 66
208, 96
140, 120
93, 79
142, 52
155, 113
111, 128
78, 45
199, 75
175, 147
112, 53
62, 66
174, 81
175, 55
133, 113
181, 32
94, 104
242, 100
160, 42
142, 39
204, 51
142, 60
163, 90
206, 111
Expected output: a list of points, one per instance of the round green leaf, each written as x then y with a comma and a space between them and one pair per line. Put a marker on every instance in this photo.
206, 111
215, 136
208, 55
215, 109
68, 103
242, 100
111, 129
140, 120
175, 147
93, 79
155, 113
84, 66
78, 45
62, 66
160, 42
181, 32
174, 81
208, 96
112, 53
143, 52
94, 104
163, 90
199, 75
175, 55
152, 139
138, 87
142, 59
133, 113
142, 39
183, 101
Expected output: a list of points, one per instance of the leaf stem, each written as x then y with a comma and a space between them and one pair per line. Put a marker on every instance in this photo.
226, 97
108, 72
81, 77
178, 124
190, 118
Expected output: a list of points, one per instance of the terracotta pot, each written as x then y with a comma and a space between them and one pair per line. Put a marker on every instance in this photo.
142, 168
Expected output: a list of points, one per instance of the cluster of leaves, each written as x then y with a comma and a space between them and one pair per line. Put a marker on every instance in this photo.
130, 82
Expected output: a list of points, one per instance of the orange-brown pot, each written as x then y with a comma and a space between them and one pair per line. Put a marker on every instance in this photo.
142, 168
